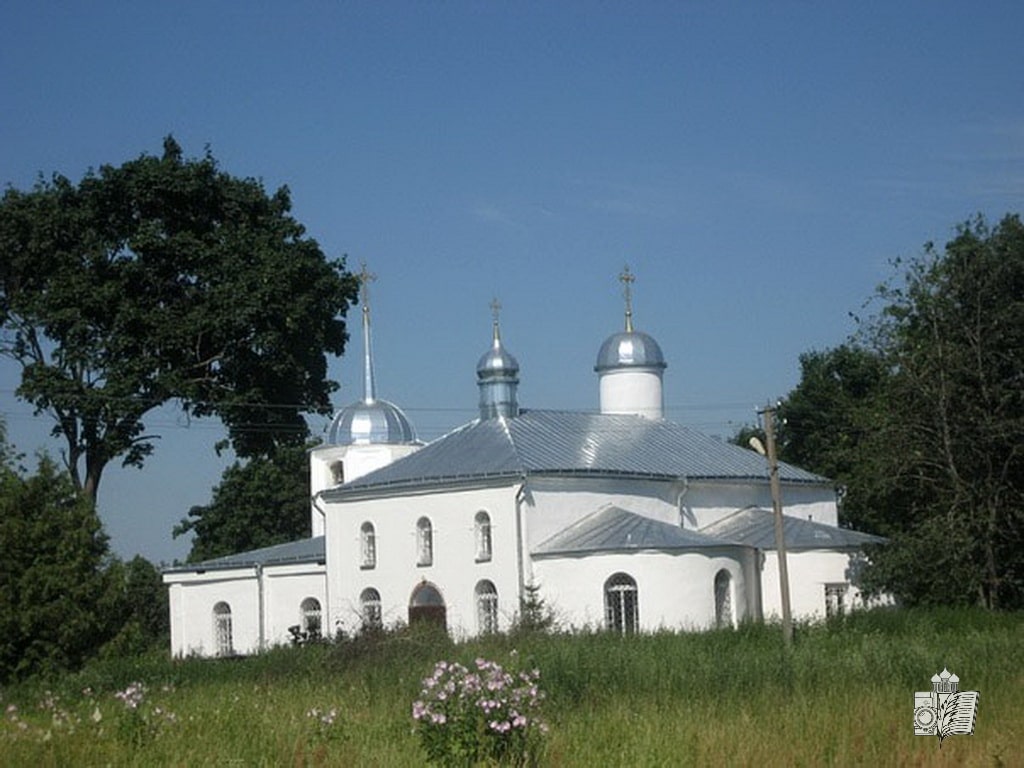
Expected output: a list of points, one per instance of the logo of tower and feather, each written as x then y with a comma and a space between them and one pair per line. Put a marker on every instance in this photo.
945, 710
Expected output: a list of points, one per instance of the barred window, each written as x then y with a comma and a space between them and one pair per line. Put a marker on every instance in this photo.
424, 542
486, 607
835, 599
367, 546
370, 608
222, 629
312, 617
482, 532
621, 604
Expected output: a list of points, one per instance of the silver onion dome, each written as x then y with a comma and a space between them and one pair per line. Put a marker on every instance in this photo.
630, 349
371, 423
497, 361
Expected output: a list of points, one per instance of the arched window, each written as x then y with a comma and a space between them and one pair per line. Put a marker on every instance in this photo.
369, 608
312, 620
367, 546
723, 599
338, 472
486, 607
482, 533
621, 604
222, 629
424, 542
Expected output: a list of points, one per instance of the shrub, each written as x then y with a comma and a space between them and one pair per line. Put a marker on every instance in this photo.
489, 714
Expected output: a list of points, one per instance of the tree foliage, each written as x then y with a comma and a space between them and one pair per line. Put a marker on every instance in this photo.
166, 279
922, 420
54, 587
260, 502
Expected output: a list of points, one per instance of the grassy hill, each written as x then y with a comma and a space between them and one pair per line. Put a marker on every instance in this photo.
844, 696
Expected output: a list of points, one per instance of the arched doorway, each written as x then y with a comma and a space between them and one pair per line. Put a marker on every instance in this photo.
427, 605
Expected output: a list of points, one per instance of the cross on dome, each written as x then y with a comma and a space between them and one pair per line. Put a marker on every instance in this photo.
627, 279
495, 313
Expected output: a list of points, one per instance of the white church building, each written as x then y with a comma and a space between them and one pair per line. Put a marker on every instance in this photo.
619, 519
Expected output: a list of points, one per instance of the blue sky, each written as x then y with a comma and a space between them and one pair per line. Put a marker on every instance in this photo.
758, 165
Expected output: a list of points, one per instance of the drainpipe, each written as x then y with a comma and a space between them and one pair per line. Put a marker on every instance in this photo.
262, 612
520, 496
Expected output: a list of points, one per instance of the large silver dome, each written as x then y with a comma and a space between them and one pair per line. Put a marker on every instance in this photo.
377, 422
629, 349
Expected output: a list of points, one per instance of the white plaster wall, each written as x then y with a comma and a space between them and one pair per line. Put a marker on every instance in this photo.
675, 590
632, 391
284, 589
359, 460
706, 502
809, 572
554, 504
454, 572
192, 599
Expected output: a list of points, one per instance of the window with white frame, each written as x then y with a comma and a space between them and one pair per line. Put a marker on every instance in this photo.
835, 599
482, 533
338, 472
621, 604
367, 546
486, 607
312, 617
370, 609
222, 629
424, 542
723, 599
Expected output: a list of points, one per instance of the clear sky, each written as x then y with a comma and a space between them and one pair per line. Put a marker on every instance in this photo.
757, 165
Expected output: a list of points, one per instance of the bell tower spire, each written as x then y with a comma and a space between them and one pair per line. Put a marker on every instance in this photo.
365, 278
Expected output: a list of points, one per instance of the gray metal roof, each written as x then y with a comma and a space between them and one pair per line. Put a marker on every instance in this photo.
611, 529
569, 442
756, 527
302, 551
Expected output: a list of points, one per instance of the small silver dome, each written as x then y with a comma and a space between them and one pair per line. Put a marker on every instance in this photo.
378, 422
496, 362
629, 349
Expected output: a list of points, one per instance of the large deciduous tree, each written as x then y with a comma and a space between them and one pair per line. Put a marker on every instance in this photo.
952, 430
922, 421
166, 279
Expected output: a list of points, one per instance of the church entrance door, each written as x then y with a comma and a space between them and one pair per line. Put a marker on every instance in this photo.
427, 605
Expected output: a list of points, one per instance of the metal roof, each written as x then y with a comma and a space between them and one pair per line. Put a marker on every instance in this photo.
302, 551
569, 442
612, 528
629, 349
756, 527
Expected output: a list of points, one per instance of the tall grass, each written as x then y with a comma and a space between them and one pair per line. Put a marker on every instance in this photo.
842, 696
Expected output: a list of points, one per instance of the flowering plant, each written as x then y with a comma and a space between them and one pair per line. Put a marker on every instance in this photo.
489, 713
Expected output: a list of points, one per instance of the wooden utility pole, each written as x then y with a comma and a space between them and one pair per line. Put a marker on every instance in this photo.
780, 539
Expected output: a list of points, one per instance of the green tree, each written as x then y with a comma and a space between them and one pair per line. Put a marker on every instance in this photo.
55, 588
950, 434
828, 426
166, 279
261, 502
